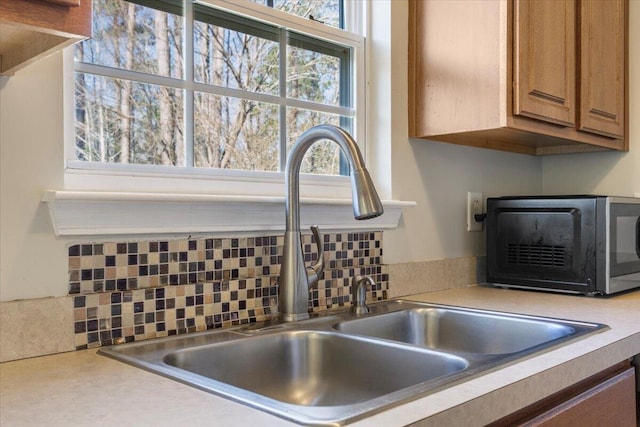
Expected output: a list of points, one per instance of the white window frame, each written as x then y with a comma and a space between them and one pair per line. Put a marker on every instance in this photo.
92, 176
140, 201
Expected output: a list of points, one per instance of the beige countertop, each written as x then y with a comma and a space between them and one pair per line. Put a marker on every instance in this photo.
82, 388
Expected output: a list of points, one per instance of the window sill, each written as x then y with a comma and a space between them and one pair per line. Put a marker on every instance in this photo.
90, 213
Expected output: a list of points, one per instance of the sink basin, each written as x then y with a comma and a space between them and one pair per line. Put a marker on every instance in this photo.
315, 368
337, 367
458, 330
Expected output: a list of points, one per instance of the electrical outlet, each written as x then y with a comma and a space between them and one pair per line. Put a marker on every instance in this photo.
474, 207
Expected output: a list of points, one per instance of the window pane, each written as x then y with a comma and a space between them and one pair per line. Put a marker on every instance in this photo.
122, 121
232, 133
326, 11
324, 156
234, 59
133, 37
313, 76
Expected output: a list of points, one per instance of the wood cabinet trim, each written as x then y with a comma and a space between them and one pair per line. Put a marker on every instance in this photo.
30, 30
49, 18
66, 3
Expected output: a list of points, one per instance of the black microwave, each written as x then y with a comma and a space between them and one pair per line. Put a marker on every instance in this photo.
577, 244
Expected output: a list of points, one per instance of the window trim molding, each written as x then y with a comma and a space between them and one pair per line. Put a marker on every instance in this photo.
92, 213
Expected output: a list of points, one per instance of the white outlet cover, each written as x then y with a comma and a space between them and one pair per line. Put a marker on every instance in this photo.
474, 206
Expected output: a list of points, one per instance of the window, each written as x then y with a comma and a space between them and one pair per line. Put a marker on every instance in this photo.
215, 85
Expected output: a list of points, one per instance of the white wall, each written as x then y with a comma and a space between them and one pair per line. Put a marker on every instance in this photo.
438, 176
33, 261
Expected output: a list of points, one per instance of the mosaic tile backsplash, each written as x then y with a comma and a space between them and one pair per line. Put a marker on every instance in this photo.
131, 291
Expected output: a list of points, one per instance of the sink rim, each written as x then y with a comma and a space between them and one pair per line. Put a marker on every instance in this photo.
148, 355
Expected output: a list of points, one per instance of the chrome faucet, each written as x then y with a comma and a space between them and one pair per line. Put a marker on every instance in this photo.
295, 278
359, 293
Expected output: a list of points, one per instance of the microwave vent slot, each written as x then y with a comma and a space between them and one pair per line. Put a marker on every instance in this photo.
536, 255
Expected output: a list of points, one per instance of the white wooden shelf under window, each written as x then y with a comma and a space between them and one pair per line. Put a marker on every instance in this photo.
91, 213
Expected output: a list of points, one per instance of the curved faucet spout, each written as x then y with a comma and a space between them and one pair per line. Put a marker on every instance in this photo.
295, 280
366, 203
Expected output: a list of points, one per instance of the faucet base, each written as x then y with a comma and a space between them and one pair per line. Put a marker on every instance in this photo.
293, 317
359, 310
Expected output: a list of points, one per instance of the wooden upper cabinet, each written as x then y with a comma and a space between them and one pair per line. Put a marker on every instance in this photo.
32, 29
545, 60
529, 76
602, 67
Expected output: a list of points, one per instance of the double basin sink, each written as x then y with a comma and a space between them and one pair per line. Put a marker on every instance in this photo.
338, 367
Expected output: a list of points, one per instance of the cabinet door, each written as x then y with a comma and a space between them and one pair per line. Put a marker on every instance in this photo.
610, 403
602, 64
544, 60
605, 399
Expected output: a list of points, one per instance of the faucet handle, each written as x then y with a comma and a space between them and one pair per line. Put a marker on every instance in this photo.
314, 271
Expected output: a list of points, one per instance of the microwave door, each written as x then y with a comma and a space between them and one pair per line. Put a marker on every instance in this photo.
624, 243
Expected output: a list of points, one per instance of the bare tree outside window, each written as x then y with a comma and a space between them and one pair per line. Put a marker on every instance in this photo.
325, 11
135, 101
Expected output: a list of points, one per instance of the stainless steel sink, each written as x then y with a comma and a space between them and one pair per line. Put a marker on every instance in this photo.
457, 330
337, 367
314, 368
